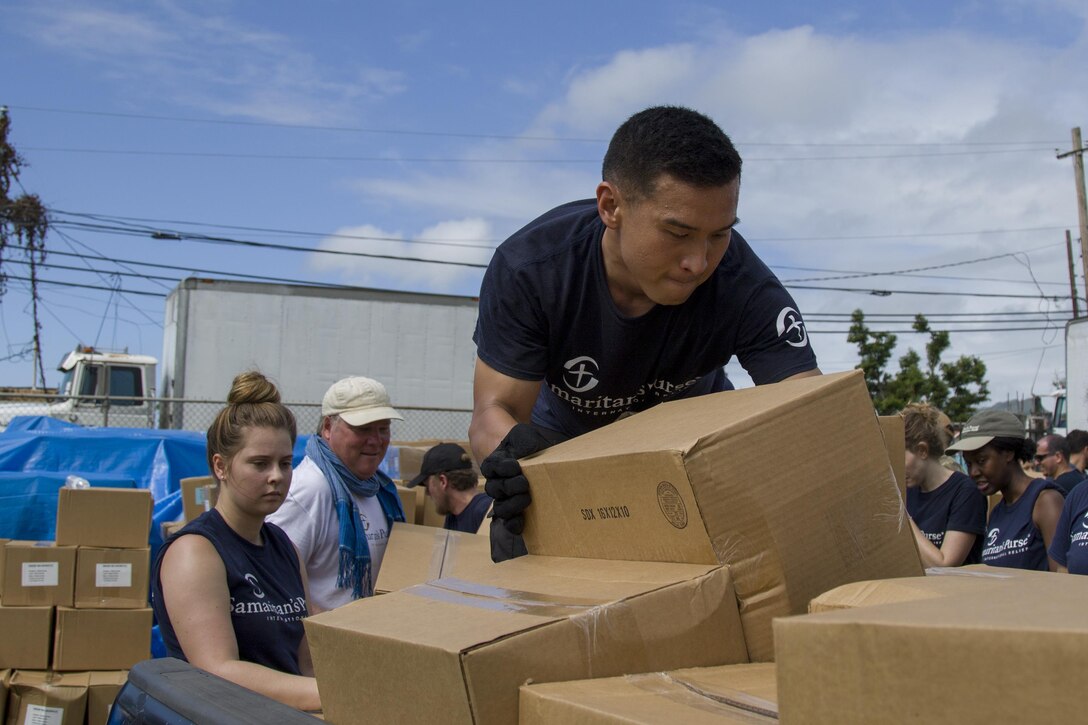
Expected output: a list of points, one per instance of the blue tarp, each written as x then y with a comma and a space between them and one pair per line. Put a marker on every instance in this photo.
37, 454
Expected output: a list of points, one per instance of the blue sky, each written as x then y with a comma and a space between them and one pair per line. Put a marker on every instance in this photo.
877, 137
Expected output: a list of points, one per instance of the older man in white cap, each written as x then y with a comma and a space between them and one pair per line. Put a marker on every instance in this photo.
341, 507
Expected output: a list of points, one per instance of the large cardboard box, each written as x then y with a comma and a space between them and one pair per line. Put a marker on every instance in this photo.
894, 432
47, 698
198, 494
118, 518
111, 578
999, 654
5, 676
101, 639
457, 650
26, 637
938, 582
737, 694
2, 543
412, 501
38, 573
101, 692
419, 554
789, 484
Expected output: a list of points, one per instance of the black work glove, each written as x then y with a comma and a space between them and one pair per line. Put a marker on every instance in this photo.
506, 484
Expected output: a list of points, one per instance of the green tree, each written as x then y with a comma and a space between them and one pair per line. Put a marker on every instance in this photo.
23, 226
956, 387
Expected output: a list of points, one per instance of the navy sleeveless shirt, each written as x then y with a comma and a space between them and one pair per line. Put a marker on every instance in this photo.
1012, 538
267, 599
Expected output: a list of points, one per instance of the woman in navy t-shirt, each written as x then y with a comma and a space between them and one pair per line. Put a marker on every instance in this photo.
228, 590
1069, 549
947, 512
1023, 523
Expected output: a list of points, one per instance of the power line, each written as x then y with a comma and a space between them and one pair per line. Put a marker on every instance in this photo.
512, 137
470, 160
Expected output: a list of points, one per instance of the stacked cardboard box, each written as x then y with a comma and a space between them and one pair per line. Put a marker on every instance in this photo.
473, 641
752, 501
978, 647
107, 625
730, 694
791, 485
418, 554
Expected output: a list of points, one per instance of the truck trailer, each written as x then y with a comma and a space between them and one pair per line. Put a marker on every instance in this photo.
305, 338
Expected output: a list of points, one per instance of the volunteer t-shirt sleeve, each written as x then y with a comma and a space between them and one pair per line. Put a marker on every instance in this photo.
968, 511
511, 335
773, 341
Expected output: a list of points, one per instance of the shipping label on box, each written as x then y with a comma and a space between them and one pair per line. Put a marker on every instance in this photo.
419, 554
118, 518
941, 660
101, 639
111, 578
38, 573
543, 619
737, 694
26, 637
689, 481
47, 698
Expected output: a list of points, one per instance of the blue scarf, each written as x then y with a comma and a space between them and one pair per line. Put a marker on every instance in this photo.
354, 549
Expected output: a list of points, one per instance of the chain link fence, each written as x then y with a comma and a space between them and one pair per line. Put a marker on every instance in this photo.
197, 415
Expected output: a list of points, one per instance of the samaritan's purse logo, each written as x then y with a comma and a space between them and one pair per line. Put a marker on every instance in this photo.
792, 327
672, 505
581, 373
991, 538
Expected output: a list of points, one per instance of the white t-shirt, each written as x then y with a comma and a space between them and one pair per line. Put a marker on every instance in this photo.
309, 518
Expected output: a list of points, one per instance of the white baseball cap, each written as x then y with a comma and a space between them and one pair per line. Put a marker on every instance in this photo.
358, 401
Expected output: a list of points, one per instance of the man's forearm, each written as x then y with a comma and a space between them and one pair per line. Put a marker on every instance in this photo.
489, 426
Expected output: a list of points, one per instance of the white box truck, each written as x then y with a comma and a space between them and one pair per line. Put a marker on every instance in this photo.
305, 338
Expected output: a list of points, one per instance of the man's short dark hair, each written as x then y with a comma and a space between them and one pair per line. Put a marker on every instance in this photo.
669, 140
1056, 444
1077, 440
463, 480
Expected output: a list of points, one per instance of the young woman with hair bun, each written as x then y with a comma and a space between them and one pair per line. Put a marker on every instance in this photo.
229, 592
947, 512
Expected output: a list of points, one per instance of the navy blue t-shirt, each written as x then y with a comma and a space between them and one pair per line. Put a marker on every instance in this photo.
546, 314
1012, 538
470, 519
267, 599
1068, 480
955, 505
1070, 545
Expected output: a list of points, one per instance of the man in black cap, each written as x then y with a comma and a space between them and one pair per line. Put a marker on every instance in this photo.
447, 473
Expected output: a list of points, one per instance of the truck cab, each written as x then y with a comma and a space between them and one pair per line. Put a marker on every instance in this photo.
99, 388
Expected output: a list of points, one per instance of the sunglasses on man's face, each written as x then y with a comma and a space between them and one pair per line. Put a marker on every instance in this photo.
1040, 457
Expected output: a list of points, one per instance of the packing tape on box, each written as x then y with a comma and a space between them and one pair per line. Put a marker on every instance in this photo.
724, 702
438, 555
482, 596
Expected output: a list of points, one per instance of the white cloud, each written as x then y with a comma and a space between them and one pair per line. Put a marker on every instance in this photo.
799, 86
458, 240
207, 60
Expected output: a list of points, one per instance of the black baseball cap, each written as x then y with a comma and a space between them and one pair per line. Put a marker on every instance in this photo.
441, 458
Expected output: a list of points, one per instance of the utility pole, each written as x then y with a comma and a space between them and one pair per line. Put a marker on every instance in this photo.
1072, 274
1082, 200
